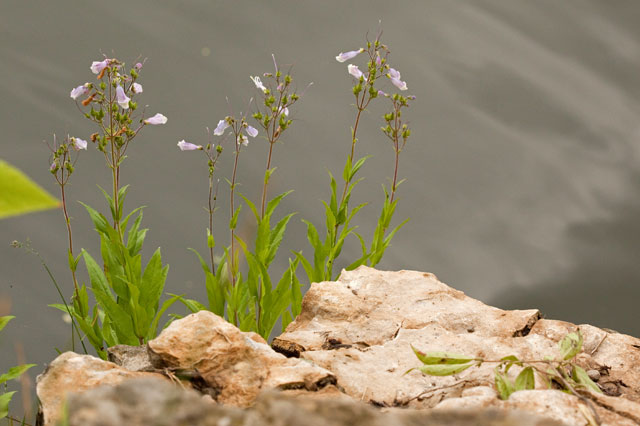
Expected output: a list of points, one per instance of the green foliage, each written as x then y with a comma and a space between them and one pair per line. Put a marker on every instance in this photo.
12, 374
127, 309
20, 195
561, 371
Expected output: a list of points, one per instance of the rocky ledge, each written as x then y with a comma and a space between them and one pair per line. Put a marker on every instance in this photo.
342, 361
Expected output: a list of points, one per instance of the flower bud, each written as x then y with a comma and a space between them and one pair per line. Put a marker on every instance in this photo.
134, 73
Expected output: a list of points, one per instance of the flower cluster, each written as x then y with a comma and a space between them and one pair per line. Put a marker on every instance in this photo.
111, 102
376, 67
61, 160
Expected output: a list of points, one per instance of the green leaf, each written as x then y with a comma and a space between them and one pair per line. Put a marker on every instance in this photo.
5, 399
234, 220
5, 320
571, 345
20, 195
153, 329
526, 379
153, 281
15, 372
99, 221
120, 319
503, 385
581, 377
193, 305
444, 369
431, 358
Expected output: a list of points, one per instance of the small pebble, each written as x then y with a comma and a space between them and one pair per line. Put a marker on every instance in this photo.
594, 375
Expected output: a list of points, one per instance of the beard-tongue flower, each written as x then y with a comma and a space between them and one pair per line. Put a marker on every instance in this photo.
98, 66
394, 75
156, 119
348, 55
222, 126
137, 88
123, 99
252, 131
78, 143
256, 80
79, 91
187, 146
355, 71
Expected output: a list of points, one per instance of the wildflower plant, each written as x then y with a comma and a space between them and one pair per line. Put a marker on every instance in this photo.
560, 371
253, 300
127, 296
250, 301
338, 213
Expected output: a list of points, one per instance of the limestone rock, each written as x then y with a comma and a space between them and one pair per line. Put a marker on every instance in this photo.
362, 326
151, 402
237, 365
72, 373
133, 358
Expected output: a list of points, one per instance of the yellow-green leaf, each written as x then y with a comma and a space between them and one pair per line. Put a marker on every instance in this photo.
441, 357
444, 369
21, 195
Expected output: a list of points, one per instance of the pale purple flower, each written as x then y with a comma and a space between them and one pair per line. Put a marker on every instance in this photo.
285, 111
381, 93
186, 146
123, 99
378, 59
252, 131
402, 85
137, 88
256, 80
222, 126
355, 71
348, 55
98, 66
394, 75
138, 66
244, 140
78, 143
79, 91
156, 119
54, 166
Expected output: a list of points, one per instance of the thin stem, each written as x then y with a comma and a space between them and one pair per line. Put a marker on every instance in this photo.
232, 211
266, 180
68, 223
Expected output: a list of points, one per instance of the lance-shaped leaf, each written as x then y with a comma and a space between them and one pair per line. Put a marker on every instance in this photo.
15, 372
503, 385
581, 377
431, 358
444, 369
526, 379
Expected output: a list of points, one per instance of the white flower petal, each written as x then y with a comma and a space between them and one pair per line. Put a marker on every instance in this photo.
354, 71
156, 119
222, 126
252, 131
186, 146
348, 55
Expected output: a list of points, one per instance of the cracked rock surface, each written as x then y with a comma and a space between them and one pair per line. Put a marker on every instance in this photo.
362, 326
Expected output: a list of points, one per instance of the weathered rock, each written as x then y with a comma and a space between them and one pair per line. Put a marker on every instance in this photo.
133, 358
237, 365
158, 403
73, 373
361, 328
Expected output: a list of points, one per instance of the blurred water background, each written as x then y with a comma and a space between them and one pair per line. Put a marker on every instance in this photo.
522, 170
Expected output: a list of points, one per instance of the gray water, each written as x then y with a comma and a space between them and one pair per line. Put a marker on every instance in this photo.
522, 170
